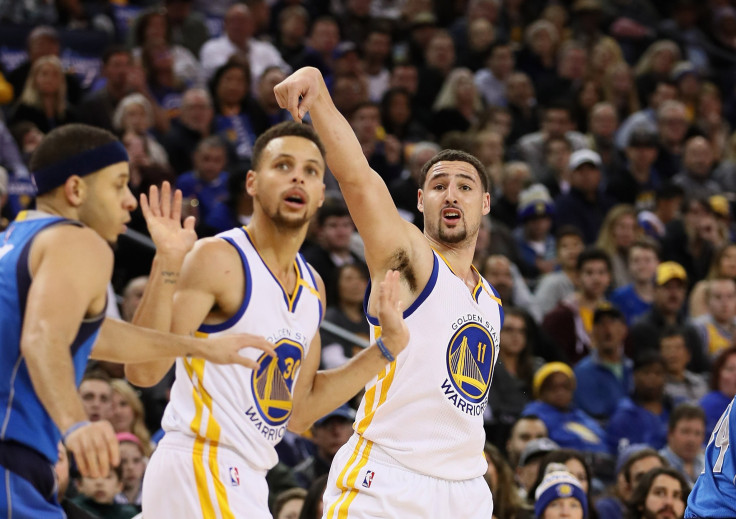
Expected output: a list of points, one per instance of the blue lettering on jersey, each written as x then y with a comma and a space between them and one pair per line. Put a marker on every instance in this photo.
273, 381
470, 359
714, 493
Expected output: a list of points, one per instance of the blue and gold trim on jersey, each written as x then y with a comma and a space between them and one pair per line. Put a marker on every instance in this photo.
479, 288
292, 299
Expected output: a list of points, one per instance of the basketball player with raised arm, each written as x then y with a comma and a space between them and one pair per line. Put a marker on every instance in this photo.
55, 267
417, 451
223, 422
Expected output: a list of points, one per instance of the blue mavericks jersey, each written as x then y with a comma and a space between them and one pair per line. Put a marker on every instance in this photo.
23, 418
714, 493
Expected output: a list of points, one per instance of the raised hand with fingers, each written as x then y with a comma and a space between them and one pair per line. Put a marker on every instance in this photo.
298, 91
163, 218
227, 349
95, 448
394, 332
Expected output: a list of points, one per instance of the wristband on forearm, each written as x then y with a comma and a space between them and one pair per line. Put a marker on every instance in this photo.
74, 428
384, 349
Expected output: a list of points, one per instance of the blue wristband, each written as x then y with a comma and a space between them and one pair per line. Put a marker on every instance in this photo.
73, 428
384, 349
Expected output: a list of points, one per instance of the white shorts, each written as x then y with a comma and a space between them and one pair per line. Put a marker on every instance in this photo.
192, 479
365, 482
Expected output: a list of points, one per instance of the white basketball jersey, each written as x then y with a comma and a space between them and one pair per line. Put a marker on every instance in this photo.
425, 409
232, 405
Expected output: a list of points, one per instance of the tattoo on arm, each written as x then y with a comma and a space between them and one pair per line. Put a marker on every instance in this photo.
170, 277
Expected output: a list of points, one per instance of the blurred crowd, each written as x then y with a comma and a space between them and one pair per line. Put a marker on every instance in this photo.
606, 128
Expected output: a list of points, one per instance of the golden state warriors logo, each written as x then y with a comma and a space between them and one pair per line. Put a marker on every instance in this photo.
273, 382
470, 361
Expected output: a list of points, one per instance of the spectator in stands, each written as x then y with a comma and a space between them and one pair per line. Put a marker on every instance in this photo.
43, 41
631, 465
488, 147
722, 388
516, 176
312, 508
376, 51
329, 433
43, 99
97, 496
523, 431
345, 311
602, 125
382, 151
556, 286
324, 37
556, 122
535, 243
655, 65
722, 266
96, 394
194, 124
696, 176
575, 464
717, 327
667, 205
619, 89
672, 126
604, 376
127, 414
538, 56
680, 383
238, 39
500, 479
585, 205
643, 417
570, 427
685, 439
289, 503
635, 298
635, 181
207, 183
660, 492
556, 176
522, 105
588, 94
134, 114
334, 230
570, 323
491, 80
618, 233
506, 278
560, 495
457, 105
132, 294
529, 461
98, 108
133, 461
271, 77
439, 62
238, 117
513, 375
404, 189
667, 309
398, 118
165, 88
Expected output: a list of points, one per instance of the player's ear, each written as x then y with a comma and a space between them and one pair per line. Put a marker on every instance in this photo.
250, 179
420, 200
486, 203
75, 190
322, 197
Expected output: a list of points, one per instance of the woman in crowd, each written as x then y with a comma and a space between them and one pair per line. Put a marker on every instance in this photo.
655, 65
128, 415
43, 100
289, 503
618, 233
135, 114
619, 89
723, 388
722, 266
133, 462
397, 117
312, 508
538, 57
560, 495
574, 463
507, 504
458, 104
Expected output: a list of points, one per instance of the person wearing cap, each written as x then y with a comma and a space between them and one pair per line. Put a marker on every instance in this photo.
643, 416
696, 177
527, 470
604, 376
329, 433
560, 495
717, 327
553, 386
661, 492
631, 464
635, 181
570, 323
585, 205
535, 243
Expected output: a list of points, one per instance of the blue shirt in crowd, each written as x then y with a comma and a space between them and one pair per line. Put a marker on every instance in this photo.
212, 196
631, 424
599, 389
628, 301
572, 429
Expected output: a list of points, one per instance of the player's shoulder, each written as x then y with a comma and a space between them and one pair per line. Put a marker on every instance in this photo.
72, 240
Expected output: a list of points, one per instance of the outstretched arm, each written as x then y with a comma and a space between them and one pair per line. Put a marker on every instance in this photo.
383, 230
319, 392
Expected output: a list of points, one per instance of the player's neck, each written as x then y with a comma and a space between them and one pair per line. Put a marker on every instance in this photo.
278, 247
49, 205
459, 256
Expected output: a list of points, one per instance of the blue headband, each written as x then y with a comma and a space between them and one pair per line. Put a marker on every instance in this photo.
81, 164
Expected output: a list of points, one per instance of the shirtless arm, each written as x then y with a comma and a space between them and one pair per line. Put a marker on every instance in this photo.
389, 239
319, 392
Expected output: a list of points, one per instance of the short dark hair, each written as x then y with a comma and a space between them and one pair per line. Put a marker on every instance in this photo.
668, 191
672, 330
648, 244
67, 141
331, 209
112, 50
641, 454
96, 374
594, 254
569, 230
641, 490
685, 411
557, 104
561, 456
285, 129
459, 156
556, 138
715, 371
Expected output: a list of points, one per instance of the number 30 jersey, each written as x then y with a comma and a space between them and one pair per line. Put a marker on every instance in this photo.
714, 493
230, 405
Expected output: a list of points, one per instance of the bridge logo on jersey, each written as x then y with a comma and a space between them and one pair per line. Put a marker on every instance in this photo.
470, 361
273, 382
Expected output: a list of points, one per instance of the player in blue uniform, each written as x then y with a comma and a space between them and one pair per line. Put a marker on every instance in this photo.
714, 493
55, 266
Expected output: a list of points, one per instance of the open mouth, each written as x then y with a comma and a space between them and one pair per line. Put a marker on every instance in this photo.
295, 199
451, 216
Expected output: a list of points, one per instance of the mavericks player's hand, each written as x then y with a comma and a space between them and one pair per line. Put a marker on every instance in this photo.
305, 84
95, 448
394, 333
163, 218
225, 349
